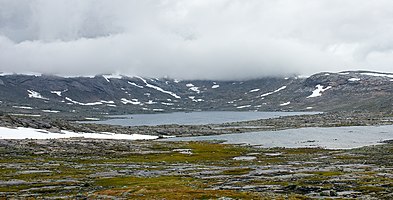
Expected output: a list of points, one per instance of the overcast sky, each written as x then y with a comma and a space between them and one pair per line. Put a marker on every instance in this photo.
195, 39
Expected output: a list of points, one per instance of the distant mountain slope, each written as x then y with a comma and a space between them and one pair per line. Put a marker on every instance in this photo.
351, 90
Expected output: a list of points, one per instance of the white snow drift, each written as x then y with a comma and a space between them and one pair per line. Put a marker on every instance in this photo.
275, 91
36, 95
158, 88
318, 92
30, 133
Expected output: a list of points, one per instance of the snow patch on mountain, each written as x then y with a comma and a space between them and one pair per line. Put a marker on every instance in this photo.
195, 89
158, 88
107, 77
150, 102
58, 93
24, 115
133, 101
5, 74
285, 104
245, 106
254, 90
318, 92
89, 104
343, 73
23, 107
215, 86
354, 79
275, 91
36, 95
51, 111
192, 87
134, 84
109, 102
377, 74
195, 100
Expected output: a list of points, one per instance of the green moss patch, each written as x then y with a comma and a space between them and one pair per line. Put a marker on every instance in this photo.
238, 171
164, 187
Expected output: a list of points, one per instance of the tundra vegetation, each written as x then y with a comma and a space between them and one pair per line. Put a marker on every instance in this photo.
92, 168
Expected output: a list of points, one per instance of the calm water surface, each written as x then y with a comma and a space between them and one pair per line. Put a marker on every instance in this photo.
331, 138
193, 118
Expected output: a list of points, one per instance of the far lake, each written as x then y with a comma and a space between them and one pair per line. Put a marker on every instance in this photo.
192, 118
331, 138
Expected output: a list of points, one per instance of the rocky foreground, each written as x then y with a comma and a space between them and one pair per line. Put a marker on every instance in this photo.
107, 169
80, 168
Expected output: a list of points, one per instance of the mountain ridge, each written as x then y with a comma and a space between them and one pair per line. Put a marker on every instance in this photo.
108, 94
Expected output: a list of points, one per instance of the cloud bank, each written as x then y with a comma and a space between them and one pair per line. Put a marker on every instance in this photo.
195, 39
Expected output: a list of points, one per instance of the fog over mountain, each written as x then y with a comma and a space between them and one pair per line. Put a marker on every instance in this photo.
195, 39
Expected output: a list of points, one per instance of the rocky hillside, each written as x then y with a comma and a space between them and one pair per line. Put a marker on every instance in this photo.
107, 94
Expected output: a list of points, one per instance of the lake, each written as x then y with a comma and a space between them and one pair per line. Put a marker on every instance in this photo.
330, 138
192, 118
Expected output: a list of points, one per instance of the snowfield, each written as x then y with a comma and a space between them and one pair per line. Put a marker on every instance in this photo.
275, 91
51, 111
158, 88
134, 84
30, 133
354, 79
285, 104
23, 107
245, 106
254, 90
36, 95
193, 88
318, 92
378, 74
107, 77
133, 101
89, 104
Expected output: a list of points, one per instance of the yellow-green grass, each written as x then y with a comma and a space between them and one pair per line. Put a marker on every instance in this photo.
164, 187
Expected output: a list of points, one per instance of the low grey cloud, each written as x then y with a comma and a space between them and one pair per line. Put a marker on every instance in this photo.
195, 39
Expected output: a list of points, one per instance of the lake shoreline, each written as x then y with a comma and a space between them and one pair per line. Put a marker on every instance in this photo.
331, 119
349, 137
191, 118
105, 168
